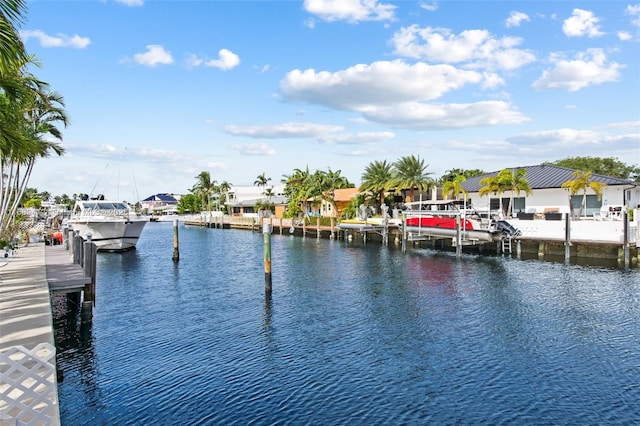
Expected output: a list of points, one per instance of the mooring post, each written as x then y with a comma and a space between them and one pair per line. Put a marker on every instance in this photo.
625, 238
89, 253
458, 237
176, 250
404, 234
318, 227
266, 236
567, 237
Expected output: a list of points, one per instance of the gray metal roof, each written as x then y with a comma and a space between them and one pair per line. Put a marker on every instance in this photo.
545, 176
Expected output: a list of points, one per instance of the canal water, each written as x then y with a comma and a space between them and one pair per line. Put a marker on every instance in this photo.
354, 333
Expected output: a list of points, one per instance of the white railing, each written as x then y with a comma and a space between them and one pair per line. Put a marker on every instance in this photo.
28, 392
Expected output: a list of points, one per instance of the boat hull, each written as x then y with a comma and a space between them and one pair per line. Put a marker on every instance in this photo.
473, 235
110, 235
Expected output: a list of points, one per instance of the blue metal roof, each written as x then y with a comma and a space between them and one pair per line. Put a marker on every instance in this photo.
161, 197
546, 176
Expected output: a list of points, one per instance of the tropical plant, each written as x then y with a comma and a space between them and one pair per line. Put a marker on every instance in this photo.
581, 183
377, 178
410, 173
608, 166
189, 203
204, 188
34, 116
451, 174
514, 181
492, 185
454, 187
262, 181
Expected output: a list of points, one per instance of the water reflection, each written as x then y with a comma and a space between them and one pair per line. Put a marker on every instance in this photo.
352, 333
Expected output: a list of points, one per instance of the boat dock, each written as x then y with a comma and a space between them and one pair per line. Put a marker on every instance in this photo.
28, 389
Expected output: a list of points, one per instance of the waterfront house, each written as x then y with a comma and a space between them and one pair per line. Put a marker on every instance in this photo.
241, 200
548, 195
160, 204
341, 197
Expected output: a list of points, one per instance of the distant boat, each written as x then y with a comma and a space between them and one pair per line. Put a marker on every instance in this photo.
440, 218
112, 225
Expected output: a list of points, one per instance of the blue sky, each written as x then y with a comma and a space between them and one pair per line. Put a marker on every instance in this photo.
158, 91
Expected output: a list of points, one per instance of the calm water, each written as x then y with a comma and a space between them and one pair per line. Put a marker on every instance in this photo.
353, 334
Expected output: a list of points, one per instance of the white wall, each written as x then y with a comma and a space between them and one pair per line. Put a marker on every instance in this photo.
559, 197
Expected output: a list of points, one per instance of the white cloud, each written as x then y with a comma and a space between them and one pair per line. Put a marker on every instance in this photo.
634, 11
515, 19
358, 138
624, 36
352, 11
59, 40
382, 82
431, 7
568, 140
421, 116
588, 68
253, 149
397, 94
226, 60
131, 2
155, 55
472, 48
285, 130
582, 23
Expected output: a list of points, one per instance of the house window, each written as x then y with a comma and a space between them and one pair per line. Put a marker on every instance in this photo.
593, 204
518, 205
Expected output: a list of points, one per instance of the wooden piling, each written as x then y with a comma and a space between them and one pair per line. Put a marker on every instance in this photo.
567, 237
625, 239
266, 236
176, 249
89, 253
458, 238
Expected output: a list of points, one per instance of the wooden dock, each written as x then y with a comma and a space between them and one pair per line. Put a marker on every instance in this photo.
28, 389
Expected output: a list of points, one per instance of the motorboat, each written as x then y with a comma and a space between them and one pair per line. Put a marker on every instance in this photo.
448, 218
111, 225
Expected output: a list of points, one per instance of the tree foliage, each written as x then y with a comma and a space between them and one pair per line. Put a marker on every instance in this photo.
410, 172
607, 166
580, 183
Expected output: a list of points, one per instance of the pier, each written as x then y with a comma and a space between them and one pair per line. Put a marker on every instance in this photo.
576, 239
28, 389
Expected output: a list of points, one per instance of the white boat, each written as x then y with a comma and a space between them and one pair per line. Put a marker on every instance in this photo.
443, 218
112, 225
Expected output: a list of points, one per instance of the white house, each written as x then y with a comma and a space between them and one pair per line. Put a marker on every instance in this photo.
242, 199
547, 193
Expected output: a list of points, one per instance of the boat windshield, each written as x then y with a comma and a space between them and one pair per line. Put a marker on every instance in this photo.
101, 208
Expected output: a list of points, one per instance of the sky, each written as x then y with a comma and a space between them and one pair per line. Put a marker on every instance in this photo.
159, 91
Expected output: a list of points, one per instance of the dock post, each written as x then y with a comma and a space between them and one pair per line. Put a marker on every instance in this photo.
567, 237
266, 237
89, 254
404, 235
318, 227
176, 250
458, 238
518, 249
625, 239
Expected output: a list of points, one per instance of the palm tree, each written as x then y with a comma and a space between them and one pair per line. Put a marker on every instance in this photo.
581, 183
492, 185
35, 111
411, 172
454, 187
298, 188
12, 49
514, 181
204, 188
377, 178
262, 181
